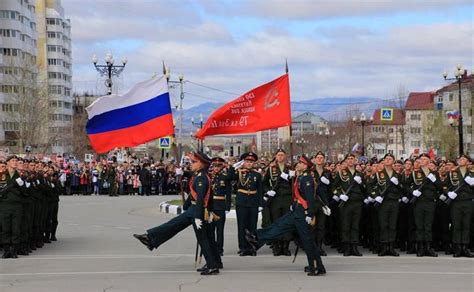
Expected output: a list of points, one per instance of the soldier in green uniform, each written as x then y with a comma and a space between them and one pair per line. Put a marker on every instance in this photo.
425, 187
24, 248
277, 189
323, 189
461, 194
11, 209
222, 199
195, 214
388, 191
351, 188
249, 198
299, 219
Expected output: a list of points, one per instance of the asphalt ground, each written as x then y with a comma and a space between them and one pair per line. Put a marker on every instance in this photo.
95, 251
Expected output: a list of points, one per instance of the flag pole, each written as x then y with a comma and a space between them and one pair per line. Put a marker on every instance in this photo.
290, 127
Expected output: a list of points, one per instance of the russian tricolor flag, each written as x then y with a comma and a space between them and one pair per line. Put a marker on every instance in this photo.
139, 116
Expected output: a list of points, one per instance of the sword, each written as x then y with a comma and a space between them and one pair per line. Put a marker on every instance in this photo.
196, 255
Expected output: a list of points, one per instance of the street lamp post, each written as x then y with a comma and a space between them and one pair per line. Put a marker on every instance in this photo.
109, 69
301, 141
460, 75
199, 126
172, 84
362, 121
327, 134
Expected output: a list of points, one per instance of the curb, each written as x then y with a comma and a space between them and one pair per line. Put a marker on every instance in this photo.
165, 207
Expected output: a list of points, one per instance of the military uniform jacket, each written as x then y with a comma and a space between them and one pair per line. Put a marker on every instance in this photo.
344, 180
272, 181
221, 191
381, 185
249, 187
322, 190
305, 187
201, 185
12, 192
419, 181
457, 183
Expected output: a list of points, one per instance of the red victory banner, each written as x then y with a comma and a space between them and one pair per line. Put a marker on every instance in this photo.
264, 107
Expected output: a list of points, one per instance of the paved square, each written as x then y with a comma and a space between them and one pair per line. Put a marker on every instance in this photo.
96, 252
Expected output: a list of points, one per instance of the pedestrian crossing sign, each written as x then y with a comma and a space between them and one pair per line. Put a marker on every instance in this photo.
386, 114
164, 143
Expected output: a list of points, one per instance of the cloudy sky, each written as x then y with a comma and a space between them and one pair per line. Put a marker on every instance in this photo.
335, 48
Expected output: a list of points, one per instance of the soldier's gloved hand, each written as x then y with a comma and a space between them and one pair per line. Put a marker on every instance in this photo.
324, 180
179, 171
416, 193
271, 193
27, 185
52, 185
291, 208
292, 173
20, 182
198, 223
327, 211
284, 176
394, 180
335, 198
344, 197
371, 200
308, 219
452, 195
431, 177
265, 198
405, 200
442, 197
238, 165
379, 199
358, 179
366, 201
210, 217
469, 180
260, 209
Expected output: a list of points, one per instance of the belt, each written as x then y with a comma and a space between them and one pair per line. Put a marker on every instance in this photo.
248, 193
193, 202
218, 197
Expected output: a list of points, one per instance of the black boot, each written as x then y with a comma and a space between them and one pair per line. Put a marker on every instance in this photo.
203, 268
355, 251
457, 251
465, 252
347, 249
392, 251
382, 250
321, 250
277, 247
429, 252
420, 250
285, 248
143, 238
411, 249
21, 250
403, 245
13, 253
447, 248
208, 272
46, 237
6, 252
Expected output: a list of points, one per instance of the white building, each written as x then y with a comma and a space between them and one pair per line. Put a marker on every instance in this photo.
308, 124
55, 69
386, 136
419, 114
18, 73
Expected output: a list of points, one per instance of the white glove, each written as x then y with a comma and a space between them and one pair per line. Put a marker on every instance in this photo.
271, 193
265, 199
37, 181
452, 195
366, 201
210, 217
442, 198
198, 223
405, 200
284, 176
371, 200
379, 199
179, 171
308, 219
431, 177
324, 180
327, 211
416, 193
52, 185
20, 182
292, 173
394, 180
335, 198
260, 209
238, 165
344, 197
357, 179
27, 184
469, 180
291, 208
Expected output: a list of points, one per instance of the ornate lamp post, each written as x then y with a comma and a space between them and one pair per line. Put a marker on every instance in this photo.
362, 121
109, 69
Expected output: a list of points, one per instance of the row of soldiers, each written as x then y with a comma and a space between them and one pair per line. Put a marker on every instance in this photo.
29, 202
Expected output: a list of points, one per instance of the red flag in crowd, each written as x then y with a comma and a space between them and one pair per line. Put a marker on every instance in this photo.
264, 107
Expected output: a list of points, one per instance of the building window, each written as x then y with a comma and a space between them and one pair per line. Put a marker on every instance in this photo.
11, 126
55, 62
415, 130
9, 108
